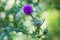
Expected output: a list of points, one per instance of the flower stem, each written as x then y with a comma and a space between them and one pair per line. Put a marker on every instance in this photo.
27, 37
0, 18
31, 16
38, 32
15, 23
7, 19
14, 15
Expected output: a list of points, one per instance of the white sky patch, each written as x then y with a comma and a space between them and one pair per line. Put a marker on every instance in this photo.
3, 15
17, 2
14, 32
19, 33
11, 17
3, 0
9, 4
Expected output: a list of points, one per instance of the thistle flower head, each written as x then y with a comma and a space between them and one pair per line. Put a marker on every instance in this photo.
27, 9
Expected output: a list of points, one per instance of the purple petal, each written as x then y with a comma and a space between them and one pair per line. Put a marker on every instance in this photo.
27, 9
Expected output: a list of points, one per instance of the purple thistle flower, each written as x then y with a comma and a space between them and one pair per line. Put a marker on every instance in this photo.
27, 9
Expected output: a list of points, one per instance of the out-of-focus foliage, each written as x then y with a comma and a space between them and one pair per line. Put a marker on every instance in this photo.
54, 3
15, 25
53, 19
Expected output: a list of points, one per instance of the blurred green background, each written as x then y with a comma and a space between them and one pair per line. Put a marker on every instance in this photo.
52, 15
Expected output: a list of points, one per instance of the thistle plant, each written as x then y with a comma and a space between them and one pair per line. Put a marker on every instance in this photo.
27, 9
17, 24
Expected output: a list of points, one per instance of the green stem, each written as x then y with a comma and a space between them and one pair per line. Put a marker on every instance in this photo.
27, 37
15, 23
38, 0
38, 29
31, 16
0, 19
7, 19
38, 32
